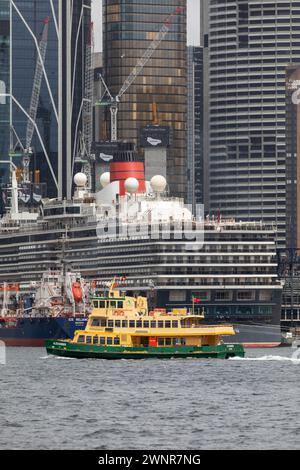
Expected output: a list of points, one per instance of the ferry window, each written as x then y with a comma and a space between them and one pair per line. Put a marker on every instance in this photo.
161, 342
146, 324
95, 340
102, 303
102, 340
168, 324
113, 304
80, 339
183, 342
103, 322
139, 324
96, 304
131, 324
168, 341
118, 323
109, 340
95, 322
124, 324
160, 324
120, 304
175, 324
117, 341
110, 323
88, 340
153, 324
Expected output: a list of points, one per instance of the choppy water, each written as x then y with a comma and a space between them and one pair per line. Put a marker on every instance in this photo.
54, 403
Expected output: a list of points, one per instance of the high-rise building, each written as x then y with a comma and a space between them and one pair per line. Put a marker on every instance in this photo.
293, 156
129, 29
4, 83
60, 102
195, 125
247, 46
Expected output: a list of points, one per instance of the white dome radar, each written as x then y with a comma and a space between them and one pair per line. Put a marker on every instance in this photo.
80, 179
105, 179
158, 183
132, 185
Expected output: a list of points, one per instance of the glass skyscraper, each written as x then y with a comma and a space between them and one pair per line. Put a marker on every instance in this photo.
247, 47
65, 87
4, 84
129, 29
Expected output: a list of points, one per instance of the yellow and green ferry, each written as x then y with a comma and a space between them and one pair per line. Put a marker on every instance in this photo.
122, 327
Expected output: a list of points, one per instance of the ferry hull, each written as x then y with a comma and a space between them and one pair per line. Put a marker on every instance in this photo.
29, 332
71, 350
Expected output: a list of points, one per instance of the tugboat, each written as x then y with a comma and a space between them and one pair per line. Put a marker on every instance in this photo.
121, 327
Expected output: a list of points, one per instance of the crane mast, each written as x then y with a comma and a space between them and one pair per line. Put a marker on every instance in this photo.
35, 97
88, 108
114, 102
84, 151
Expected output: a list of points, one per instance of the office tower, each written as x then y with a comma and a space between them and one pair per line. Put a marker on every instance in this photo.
129, 29
247, 46
195, 124
4, 85
62, 90
293, 155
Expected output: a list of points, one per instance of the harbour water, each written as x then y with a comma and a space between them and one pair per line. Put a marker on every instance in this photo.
55, 403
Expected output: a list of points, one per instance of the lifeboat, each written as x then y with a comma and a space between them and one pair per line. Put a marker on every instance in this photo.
77, 292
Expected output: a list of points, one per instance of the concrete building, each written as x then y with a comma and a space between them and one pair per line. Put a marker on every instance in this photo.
195, 125
247, 47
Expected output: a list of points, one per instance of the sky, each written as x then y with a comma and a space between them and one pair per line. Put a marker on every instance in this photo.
193, 22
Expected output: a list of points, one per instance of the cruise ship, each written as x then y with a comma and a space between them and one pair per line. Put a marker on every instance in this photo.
155, 245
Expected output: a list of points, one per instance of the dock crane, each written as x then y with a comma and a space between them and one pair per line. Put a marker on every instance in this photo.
113, 102
34, 103
85, 139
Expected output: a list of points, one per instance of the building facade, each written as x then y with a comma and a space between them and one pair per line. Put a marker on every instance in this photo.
293, 156
4, 84
129, 29
247, 47
195, 125
62, 89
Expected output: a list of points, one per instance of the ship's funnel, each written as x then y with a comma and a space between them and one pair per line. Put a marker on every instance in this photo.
126, 165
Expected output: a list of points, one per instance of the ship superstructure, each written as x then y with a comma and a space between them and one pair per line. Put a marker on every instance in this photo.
133, 229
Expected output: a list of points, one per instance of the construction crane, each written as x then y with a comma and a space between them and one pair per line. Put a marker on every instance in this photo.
113, 102
34, 103
84, 152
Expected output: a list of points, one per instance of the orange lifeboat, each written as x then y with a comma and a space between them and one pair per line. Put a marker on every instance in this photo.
77, 292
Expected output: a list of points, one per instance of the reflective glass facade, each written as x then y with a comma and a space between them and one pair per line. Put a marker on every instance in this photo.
4, 83
129, 28
293, 156
24, 57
